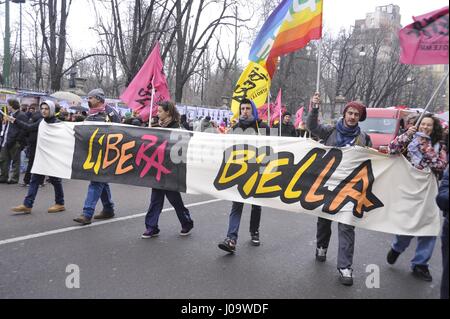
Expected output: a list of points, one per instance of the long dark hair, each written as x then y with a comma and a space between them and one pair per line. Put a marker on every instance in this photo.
169, 106
436, 135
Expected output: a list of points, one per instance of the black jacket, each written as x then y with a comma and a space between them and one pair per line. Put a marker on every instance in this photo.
34, 126
173, 124
286, 129
32, 135
255, 128
110, 115
15, 133
442, 197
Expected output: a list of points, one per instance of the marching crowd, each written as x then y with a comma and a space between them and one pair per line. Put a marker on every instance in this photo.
421, 143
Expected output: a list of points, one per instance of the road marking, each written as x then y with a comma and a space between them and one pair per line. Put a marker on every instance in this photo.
114, 220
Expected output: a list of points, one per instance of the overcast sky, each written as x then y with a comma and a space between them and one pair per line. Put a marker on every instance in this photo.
337, 14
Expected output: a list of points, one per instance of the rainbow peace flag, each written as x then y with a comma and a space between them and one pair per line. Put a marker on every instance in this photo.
289, 28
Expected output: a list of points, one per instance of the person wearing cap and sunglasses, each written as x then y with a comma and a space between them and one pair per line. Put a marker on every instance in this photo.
99, 111
345, 133
48, 115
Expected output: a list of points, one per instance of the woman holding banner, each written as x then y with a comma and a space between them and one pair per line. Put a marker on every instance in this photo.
422, 147
168, 118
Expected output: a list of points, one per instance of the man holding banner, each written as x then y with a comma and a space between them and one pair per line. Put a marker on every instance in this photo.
248, 123
345, 133
98, 111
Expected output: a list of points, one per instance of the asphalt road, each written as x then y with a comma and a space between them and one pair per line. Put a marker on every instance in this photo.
114, 262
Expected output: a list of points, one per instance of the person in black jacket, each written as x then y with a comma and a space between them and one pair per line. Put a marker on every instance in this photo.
184, 123
31, 145
99, 111
13, 143
168, 118
48, 115
249, 124
443, 202
287, 129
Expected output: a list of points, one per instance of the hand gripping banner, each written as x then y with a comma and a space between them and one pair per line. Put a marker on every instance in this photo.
351, 185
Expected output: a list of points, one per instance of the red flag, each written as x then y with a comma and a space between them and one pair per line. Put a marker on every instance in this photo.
426, 40
149, 80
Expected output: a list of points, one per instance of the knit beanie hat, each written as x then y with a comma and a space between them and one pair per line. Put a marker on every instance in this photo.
360, 107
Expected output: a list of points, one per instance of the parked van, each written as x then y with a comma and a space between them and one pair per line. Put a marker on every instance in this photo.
384, 124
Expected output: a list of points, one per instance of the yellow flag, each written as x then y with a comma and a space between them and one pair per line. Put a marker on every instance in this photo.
253, 84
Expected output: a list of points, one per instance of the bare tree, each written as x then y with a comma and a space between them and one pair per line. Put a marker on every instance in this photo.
36, 47
135, 38
193, 40
54, 36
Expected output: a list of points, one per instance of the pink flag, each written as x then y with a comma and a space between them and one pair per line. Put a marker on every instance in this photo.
426, 40
299, 117
138, 94
262, 112
276, 113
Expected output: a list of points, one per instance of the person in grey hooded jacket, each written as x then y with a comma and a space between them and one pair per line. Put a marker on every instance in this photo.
48, 115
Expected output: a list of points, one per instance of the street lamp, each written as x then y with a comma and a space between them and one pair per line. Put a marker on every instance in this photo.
225, 101
362, 53
308, 50
20, 40
409, 81
339, 103
6, 47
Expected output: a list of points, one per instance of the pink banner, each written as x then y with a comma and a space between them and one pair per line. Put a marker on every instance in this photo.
299, 117
150, 77
276, 114
426, 40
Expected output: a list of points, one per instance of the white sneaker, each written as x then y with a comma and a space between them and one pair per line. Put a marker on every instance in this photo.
321, 254
346, 276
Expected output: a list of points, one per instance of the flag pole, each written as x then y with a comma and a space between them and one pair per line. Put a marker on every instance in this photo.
319, 55
268, 105
151, 105
279, 121
432, 97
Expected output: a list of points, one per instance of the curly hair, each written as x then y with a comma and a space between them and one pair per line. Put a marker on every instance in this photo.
436, 135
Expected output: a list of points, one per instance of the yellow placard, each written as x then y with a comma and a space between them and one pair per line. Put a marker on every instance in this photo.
253, 84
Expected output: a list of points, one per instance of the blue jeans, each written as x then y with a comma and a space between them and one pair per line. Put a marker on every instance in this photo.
444, 280
156, 206
95, 192
424, 249
37, 180
235, 219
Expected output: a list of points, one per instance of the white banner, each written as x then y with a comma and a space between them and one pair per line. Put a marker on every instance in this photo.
351, 185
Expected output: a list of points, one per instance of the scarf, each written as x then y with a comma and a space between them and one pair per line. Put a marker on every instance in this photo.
346, 136
414, 151
164, 123
99, 109
247, 121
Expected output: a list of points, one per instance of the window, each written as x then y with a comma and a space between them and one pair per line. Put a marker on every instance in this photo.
378, 125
